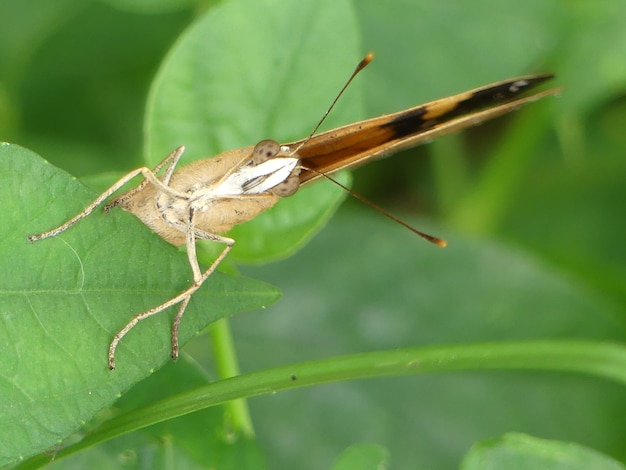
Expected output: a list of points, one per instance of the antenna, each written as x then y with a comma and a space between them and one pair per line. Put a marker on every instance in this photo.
364, 63
430, 238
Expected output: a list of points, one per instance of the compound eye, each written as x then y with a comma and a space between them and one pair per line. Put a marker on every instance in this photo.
287, 187
265, 150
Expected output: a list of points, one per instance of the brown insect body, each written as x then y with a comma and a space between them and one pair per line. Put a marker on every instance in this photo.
166, 214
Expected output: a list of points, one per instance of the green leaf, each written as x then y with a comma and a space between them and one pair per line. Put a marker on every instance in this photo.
362, 457
205, 436
152, 6
522, 452
63, 299
196, 440
251, 70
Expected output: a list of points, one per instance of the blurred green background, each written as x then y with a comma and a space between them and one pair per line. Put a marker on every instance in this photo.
541, 192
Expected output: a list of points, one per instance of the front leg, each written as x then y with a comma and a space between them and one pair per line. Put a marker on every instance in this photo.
149, 176
171, 161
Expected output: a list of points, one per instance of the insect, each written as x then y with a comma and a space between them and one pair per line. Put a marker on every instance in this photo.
205, 199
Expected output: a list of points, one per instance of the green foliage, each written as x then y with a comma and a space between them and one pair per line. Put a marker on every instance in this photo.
532, 207
363, 457
525, 452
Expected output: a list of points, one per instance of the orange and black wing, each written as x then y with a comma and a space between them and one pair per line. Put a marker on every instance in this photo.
355, 144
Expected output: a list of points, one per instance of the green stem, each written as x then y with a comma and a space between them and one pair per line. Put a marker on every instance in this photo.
238, 418
606, 360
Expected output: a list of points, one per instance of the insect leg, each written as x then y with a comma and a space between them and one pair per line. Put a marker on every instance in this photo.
198, 276
182, 298
171, 166
89, 209
147, 174
171, 161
